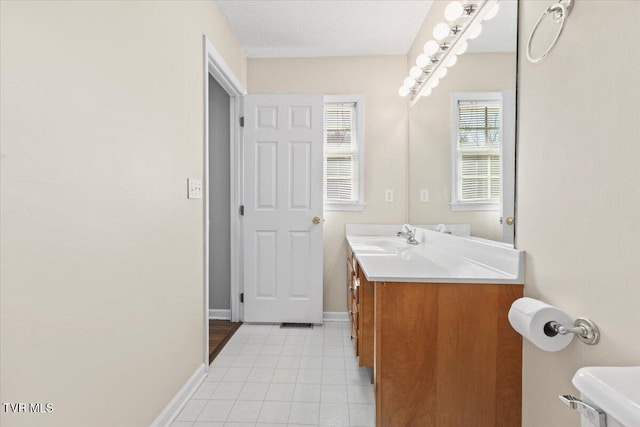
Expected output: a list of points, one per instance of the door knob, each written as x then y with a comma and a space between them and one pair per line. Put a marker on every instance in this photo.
510, 220
316, 220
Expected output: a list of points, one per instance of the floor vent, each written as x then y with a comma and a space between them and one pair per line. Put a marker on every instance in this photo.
296, 325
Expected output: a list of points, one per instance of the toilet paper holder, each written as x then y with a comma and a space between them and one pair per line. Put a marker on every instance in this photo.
585, 329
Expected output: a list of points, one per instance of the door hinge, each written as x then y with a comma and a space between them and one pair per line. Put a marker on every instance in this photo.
242, 297
241, 210
241, 122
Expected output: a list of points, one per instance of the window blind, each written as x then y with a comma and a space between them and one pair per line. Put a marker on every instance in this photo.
340, 153
479, 147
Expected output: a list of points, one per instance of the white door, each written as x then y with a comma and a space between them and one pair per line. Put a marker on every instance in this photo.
283, 208
508, 165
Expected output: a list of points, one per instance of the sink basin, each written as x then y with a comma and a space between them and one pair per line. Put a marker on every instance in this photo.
615, 390
380, 245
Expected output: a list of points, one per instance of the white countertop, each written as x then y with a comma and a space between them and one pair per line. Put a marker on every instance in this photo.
438, 258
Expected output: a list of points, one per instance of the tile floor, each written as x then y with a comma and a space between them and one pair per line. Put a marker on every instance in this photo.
267, 377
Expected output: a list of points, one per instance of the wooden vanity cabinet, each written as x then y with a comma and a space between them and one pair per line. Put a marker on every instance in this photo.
352, 290
445, 355
366, 311
360, 301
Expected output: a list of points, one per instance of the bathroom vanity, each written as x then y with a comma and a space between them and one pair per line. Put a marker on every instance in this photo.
431, 320
360, 300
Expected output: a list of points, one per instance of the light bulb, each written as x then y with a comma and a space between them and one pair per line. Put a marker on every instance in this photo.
493, 12
441, 73
403, 91
409, 82
426, 92
461, 48
422, 60
415, 72
451, 60
441, 31
431, 47
475, 32
434, 82
453, 11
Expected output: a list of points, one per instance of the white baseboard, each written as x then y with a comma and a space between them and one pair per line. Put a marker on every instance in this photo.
327, 316
335, 316
171, 411
220, 314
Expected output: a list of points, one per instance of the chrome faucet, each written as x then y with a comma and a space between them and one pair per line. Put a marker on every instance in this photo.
409, 233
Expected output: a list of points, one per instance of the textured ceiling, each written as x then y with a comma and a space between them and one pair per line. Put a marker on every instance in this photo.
299, 28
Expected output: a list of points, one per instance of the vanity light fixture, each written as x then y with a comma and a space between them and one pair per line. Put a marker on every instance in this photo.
463, 23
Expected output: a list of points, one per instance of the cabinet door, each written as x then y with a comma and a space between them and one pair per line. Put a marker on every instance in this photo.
405, 369
366, 321
350, 280
446, 355
355, 333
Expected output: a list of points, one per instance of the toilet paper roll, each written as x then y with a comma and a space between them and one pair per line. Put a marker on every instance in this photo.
528, 317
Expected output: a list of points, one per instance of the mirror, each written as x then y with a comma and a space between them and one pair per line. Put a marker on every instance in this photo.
452, 171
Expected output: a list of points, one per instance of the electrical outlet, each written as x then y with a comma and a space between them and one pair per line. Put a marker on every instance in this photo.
194, 188
424, 196
388, 196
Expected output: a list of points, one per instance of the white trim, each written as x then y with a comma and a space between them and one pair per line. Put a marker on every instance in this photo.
237, 191
474, 206
220, 314
508, 163
171, 411
215, 66
335, 316
205, 201
359, 100
221, 71
455, 204
343, 207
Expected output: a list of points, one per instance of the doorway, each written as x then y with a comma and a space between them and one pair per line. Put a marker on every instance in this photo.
219, 202
223, 193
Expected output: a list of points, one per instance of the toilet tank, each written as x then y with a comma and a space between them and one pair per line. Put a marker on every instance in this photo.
613, 390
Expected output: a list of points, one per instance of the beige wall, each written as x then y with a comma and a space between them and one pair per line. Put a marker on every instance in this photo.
430, 141
378, 79
578, 205
102, 254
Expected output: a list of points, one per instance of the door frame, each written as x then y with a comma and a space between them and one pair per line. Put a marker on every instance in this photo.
215, 66
509, 120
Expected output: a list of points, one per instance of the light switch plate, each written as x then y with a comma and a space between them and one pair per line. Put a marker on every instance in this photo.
424, 196
388, 196
194, 188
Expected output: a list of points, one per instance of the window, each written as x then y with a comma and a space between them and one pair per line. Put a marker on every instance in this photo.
343, 183
476, 151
